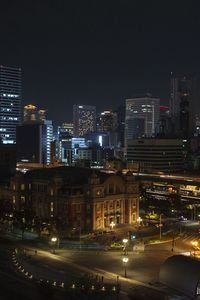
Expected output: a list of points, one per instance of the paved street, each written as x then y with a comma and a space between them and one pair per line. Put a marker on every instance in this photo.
66, 265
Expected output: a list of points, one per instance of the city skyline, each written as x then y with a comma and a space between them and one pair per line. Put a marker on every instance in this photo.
98, 54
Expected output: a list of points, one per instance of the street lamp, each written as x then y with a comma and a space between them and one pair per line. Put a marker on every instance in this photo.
160, 225
125, 241
54, 240
139, 220
112, 224
125, 260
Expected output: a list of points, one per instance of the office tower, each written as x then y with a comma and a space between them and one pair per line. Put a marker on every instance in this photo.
47, 139
32, 114
107, 121
65, 130
121, 124
10, 103
34, 136
34, 142
163, 128
142, 115
182, 105
29, 143
84, 119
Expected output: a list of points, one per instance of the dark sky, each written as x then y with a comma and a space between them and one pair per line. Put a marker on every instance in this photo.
98, 52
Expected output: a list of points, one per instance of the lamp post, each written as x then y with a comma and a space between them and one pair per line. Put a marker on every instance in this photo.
125, 260
54, 241
125, 241
160, 225
80, 236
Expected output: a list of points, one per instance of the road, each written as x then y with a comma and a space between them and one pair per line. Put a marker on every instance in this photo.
13, 286
68, 265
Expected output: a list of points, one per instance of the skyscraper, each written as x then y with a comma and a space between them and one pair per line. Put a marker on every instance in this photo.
10, 103
84, 119
182, 105
34, 136
142, 115
32, 114
107, 121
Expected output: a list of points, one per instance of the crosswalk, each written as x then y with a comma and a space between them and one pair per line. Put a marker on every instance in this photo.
190, 237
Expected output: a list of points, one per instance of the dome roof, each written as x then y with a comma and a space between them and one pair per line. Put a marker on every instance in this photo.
181, 273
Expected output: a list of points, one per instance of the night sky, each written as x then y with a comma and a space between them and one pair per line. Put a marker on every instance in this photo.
98, 52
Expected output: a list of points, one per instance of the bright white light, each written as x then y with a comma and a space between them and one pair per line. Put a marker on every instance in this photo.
125, 241
100, 140
54, 239
125, 259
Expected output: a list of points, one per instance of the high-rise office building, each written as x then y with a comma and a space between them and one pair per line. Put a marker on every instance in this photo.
10, 103
34, 142
182, 105
34, 136
84, 119
142, 115
32, 114
121, 124
163, 128
107, 121
65, 130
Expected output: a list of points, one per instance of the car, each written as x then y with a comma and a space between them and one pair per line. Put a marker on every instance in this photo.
117, 246
182, 218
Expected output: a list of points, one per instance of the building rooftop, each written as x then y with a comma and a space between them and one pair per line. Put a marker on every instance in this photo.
71, 175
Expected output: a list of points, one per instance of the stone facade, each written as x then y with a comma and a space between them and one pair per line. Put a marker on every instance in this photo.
79, 197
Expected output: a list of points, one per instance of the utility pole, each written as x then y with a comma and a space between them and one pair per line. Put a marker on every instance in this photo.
160, 225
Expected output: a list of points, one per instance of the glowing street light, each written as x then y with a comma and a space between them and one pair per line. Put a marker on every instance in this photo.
54, 240
139, 220
125, 260
125, 241
112, 224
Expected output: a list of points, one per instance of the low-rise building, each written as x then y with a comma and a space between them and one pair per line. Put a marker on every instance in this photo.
155, 155
78, 197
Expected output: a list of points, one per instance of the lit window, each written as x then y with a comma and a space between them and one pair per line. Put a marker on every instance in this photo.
22, 199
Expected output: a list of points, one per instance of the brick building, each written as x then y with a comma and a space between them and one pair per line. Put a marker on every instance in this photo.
77, 196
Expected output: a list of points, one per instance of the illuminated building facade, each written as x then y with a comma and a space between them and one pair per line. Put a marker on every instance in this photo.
182, 105
84, 119
142, 115
107, 121
10, 103
47, 138
79, 197
32, 114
